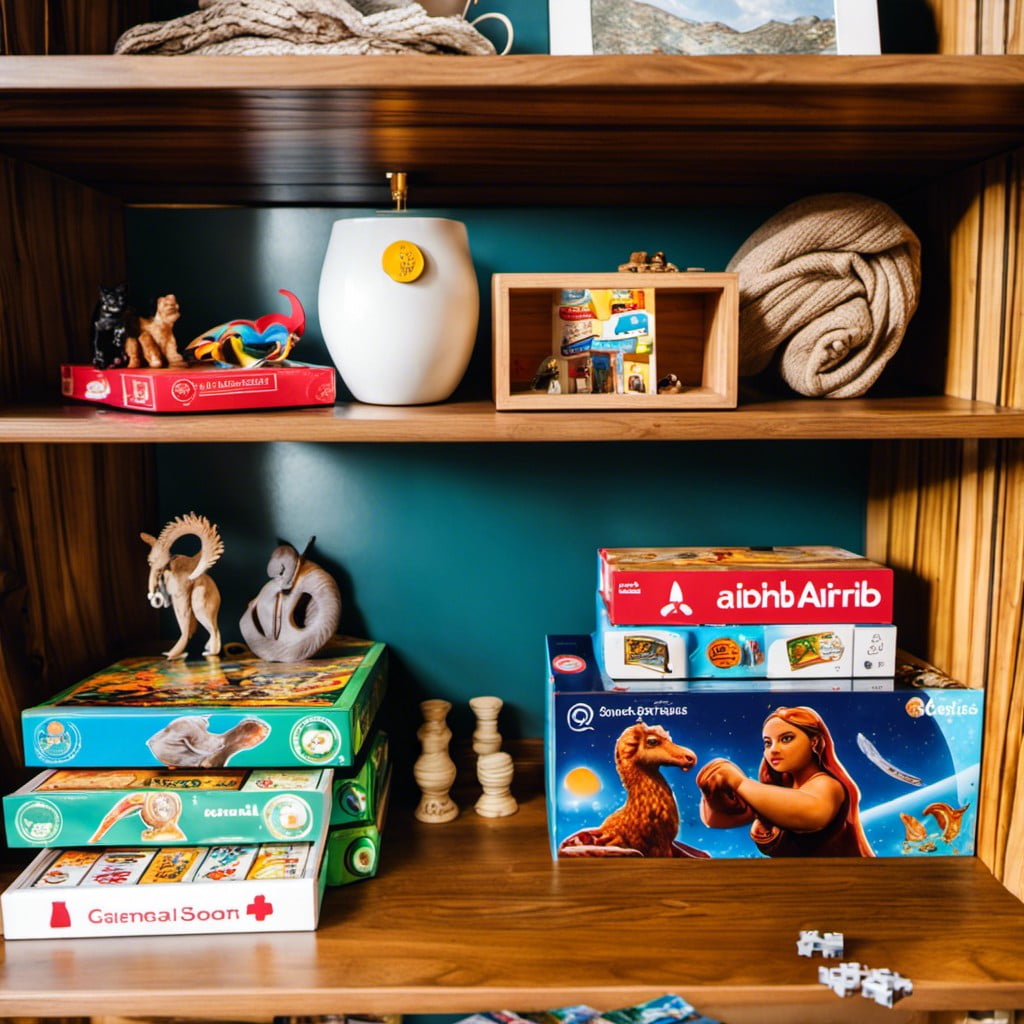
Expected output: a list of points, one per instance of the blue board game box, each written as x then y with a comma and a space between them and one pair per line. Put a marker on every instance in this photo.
214, 712
739, 774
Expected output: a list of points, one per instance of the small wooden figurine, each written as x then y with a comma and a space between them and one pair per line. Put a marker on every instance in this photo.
486, 738
495, 774
434, 769
153, 341
181, 581
296, 613
640, 264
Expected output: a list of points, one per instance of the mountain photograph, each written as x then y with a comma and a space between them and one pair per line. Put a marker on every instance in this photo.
695, 27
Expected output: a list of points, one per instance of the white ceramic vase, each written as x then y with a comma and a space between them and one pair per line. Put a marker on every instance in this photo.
399, 306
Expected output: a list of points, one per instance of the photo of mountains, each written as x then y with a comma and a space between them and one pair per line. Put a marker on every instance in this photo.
694, 27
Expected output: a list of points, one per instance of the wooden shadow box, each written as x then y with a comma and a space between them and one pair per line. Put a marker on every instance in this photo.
695, 319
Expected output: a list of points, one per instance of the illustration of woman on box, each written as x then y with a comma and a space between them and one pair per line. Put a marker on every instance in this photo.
803, 803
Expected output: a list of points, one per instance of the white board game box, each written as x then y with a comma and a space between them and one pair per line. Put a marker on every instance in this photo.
76, 893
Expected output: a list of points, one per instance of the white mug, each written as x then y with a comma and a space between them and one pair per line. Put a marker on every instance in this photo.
453, 8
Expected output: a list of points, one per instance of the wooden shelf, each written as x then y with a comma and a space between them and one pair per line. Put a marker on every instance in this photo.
324, 129
474, 915
935, 417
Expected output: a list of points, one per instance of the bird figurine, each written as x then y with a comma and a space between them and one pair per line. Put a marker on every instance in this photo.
252, 342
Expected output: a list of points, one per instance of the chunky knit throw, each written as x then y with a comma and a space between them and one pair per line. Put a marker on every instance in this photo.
828, 286
249, 27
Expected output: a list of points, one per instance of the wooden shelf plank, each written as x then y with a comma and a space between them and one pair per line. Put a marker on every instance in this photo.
324, 129
929, 417
474, 915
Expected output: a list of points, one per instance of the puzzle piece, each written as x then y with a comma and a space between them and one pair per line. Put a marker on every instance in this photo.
885, 987
829, 945
845, 979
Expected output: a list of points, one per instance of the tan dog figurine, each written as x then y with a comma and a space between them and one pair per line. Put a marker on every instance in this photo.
154, 340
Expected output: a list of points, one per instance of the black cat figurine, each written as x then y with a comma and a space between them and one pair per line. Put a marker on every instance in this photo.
110, 328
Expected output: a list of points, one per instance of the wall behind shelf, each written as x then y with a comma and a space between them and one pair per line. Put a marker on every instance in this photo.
463, 556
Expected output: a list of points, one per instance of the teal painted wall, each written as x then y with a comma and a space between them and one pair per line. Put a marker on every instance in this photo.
461, 556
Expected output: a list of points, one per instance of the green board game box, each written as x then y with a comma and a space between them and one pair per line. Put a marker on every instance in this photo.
214, 712
358, 791
353, 851
163, 807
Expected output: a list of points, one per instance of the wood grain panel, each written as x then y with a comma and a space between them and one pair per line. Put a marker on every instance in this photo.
948, 516
64, 241
72, 570
327, 131
66, 26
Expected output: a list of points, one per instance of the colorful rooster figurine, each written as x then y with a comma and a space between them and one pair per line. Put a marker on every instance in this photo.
252, 342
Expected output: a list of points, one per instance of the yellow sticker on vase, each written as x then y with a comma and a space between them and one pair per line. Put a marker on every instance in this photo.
403, 261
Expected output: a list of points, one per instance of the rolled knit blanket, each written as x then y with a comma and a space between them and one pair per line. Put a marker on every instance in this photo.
828, 285
251, 27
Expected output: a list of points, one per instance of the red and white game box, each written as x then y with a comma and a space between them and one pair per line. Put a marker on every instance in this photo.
201, 389
249, 887
743, 585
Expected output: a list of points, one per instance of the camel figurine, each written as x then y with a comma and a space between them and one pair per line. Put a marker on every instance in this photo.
647, 823
181, 581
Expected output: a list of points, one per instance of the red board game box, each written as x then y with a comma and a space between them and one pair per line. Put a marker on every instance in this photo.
740, 586
201, 389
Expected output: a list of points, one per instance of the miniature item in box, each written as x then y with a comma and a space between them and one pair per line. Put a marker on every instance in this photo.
270, 339
891, 773
271, 887
181, 581
143, 807
806, 651
296, 613
741, 586
595, 329
206, 713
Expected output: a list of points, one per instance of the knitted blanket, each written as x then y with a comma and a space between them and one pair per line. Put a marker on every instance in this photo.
248, 27
827, 286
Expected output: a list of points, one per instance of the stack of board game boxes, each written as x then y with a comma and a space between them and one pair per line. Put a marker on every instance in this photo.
209, 795
695, 654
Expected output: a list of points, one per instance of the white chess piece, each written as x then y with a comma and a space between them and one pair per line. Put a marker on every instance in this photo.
434, 770
486, 738
495, 774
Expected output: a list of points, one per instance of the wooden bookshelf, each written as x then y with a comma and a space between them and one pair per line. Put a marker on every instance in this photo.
920, 417
197, 130
474, 914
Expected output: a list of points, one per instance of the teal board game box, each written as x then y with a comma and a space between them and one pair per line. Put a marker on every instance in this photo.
161, 807
358, 791
214, 712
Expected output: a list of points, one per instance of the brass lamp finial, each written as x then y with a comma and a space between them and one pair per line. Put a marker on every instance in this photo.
399, 189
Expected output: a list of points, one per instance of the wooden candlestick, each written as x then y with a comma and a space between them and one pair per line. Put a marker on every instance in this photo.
486, 738
495, 774
434, 769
